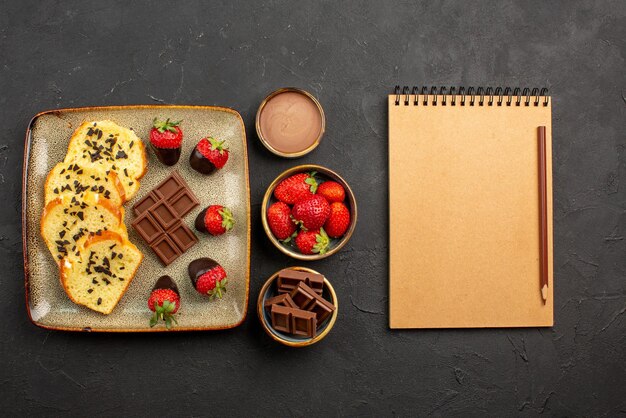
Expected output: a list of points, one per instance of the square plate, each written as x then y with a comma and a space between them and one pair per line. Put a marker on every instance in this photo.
46, 144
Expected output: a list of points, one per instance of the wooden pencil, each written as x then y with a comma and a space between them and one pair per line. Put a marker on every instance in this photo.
543, 212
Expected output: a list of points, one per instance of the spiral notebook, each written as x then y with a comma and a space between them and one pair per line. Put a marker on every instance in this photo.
465, 214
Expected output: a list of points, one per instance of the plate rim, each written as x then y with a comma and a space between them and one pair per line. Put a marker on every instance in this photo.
25, 168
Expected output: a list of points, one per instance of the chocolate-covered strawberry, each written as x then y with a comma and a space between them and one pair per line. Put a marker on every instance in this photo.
166, 139
209, 155
311, 212
215, 220
164, 301
208, 277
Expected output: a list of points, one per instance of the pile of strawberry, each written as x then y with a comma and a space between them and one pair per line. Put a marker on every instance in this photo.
307, 213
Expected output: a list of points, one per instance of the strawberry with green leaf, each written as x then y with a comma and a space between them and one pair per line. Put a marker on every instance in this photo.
164, 301
280, 221
295, 188
215, 220
208, 277
209, 155
166, 139
312, 241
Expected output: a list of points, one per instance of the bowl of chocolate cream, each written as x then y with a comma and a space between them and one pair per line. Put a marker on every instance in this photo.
290, 122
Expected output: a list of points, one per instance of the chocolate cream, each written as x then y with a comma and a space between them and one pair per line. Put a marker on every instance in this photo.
290, 122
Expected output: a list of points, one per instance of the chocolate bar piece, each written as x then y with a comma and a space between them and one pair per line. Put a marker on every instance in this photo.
145, 203
183, 202
182, 236
322, 309
147, 227
164, 214
303, 295
288, 280
293, 321
170, 186
283, 300
281, 318
171, 189
303, 323
168, 244
159, 218
310, 301
166, 250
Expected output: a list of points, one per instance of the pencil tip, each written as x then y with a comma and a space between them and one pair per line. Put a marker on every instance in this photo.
544, 293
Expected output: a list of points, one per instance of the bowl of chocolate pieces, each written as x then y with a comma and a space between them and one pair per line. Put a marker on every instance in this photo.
297, 306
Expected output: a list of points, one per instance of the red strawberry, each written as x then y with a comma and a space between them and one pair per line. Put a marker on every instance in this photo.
208, 277
311, 212
338, 221
296, 187
312, 241
209, 155
332, 191
164, 303
215, 220
166, 134
166, 139
280, 222
213, 282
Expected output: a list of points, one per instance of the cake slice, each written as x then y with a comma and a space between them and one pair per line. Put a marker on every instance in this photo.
66, 219
99, 272
75, 180
107, 145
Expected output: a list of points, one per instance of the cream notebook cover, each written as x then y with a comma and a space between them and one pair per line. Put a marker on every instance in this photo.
464, 210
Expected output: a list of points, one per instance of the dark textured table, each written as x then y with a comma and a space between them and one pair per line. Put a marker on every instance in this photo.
350, 55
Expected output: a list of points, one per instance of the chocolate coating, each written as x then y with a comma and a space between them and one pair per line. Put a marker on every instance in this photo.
166, 282
200, 163
200, 266
199, 223
168, 156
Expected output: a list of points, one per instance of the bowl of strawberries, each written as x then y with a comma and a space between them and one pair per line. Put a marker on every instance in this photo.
309, 212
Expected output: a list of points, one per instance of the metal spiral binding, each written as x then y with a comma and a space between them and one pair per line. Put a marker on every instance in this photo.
495, 97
